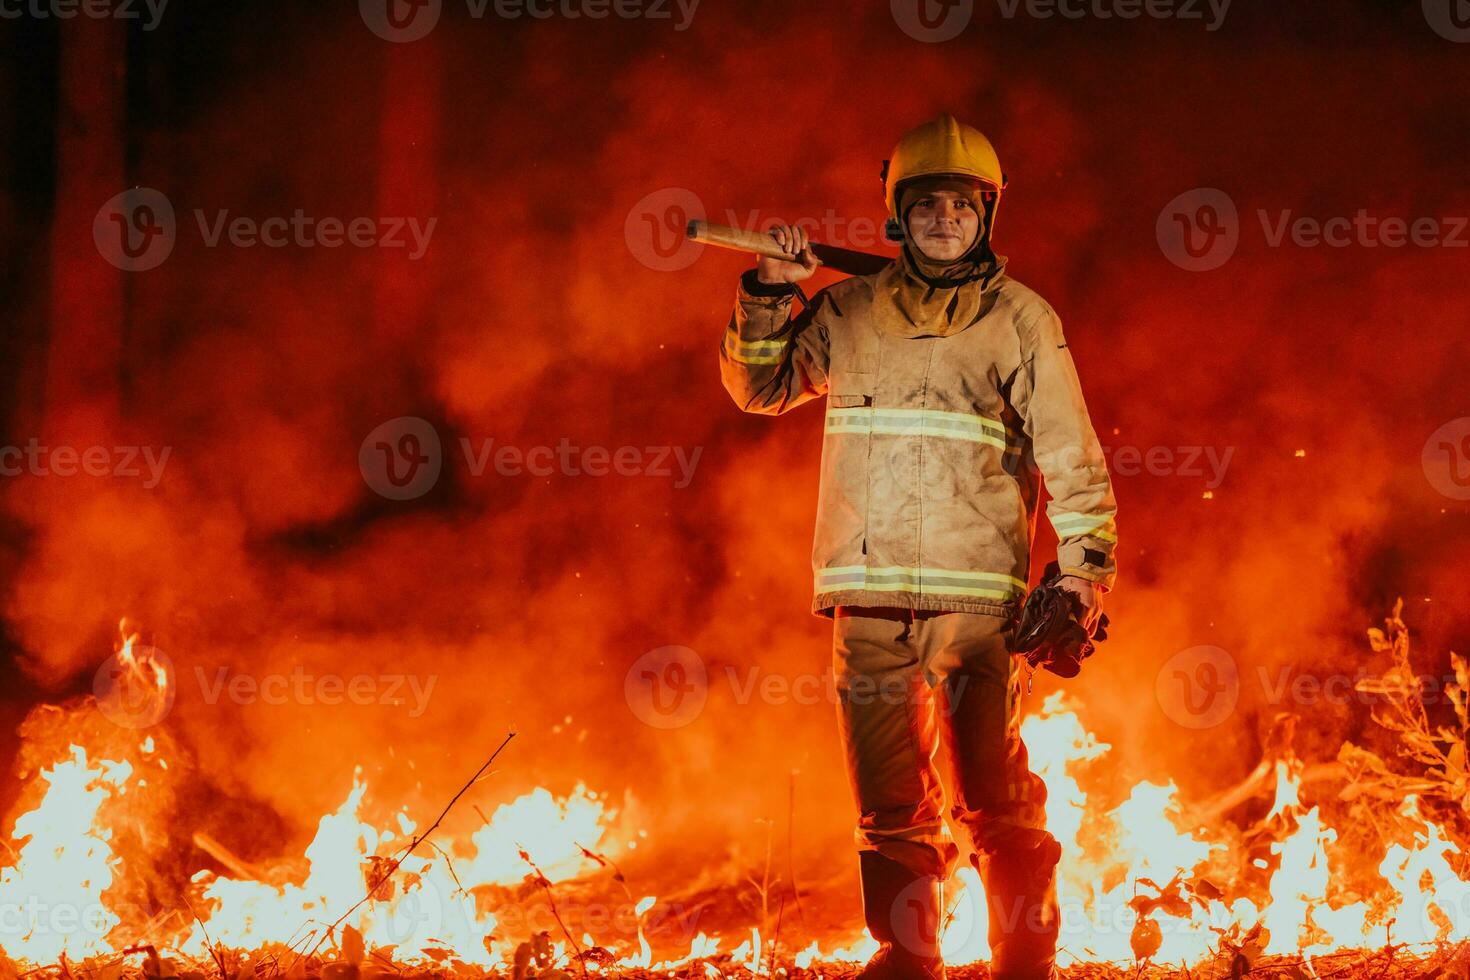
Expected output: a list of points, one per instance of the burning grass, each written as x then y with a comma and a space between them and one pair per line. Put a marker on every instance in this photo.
1353, 870
539, 959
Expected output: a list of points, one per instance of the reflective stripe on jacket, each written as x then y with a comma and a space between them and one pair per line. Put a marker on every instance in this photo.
934, 446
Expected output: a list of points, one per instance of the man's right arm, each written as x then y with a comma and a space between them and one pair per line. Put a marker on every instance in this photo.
771, 362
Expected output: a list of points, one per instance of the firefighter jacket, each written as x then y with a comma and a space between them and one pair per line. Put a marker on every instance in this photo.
934, 446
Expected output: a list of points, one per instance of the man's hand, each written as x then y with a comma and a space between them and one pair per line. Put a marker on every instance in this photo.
803, 263
1087, 591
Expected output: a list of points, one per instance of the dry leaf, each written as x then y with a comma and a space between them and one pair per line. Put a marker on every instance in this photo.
1146, 939
352, 946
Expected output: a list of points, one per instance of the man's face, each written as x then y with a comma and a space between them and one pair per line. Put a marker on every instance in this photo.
943, 224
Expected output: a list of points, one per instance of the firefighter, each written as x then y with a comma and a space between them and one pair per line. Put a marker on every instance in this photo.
951, 394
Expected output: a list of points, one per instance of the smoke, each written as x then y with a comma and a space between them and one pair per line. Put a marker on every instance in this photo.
522, 601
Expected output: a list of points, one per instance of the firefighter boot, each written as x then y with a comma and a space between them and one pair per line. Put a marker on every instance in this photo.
902, 911
1019, 873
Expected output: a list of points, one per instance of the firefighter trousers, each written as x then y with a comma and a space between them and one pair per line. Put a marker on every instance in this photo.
906, 679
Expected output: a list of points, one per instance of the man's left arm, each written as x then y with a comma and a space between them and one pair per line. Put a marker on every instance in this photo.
1082, 509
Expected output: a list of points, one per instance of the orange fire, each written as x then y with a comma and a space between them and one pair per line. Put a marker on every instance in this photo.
1134, 881
52, 896
1137, 881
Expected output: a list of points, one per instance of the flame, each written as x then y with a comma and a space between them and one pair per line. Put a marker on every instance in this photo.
1130, 874
53, 896
426, 908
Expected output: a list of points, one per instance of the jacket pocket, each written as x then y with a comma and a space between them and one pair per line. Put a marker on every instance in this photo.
854, 388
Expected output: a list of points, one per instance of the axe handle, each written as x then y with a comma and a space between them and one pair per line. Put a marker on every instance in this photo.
844, 260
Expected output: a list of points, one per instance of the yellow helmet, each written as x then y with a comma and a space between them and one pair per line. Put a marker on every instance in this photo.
941, 146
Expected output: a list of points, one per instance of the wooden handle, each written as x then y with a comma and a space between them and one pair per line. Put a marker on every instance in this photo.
845, 260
